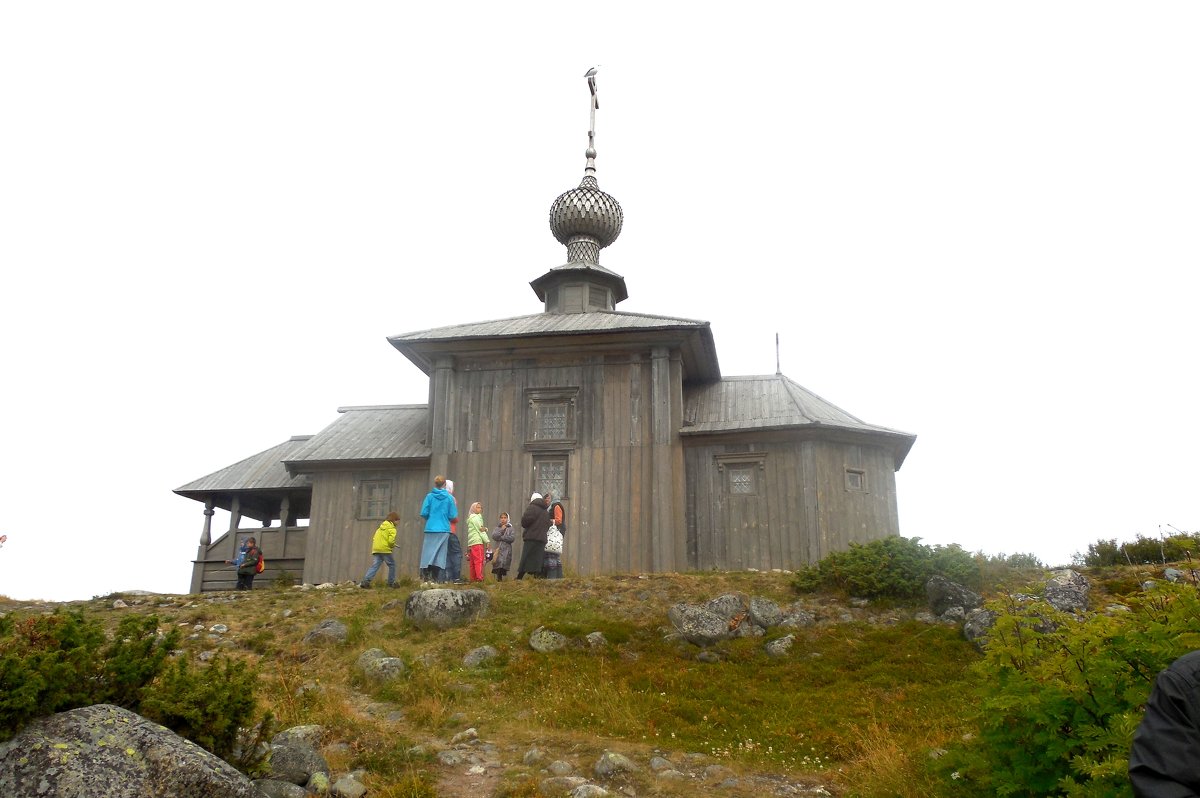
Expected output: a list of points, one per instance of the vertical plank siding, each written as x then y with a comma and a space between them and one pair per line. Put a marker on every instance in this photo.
801, 512
639, 497
614, 491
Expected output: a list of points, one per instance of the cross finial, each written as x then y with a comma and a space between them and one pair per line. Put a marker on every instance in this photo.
590, 169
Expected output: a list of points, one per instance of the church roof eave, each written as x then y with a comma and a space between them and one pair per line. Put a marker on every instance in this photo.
550, 331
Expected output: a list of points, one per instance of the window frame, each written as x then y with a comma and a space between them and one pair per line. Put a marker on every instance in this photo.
861, 475
536, 400
541, 458
727, 463
361, 508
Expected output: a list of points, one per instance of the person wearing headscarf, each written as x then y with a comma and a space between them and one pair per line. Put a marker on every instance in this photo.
503, 535
381, 551
438, 510
535, 522
552, 561
477, 539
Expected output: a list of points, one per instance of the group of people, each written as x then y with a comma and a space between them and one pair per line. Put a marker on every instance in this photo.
441, 549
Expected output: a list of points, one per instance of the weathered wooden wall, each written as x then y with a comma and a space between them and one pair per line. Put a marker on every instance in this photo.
801, 512
339, 545
283, 551
614, 489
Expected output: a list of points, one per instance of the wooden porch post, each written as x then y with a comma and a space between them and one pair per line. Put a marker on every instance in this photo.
235, 520
202, 550
284, 511
206, 535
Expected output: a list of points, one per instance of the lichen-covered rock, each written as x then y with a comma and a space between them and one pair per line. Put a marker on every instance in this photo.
560, 785
376, 666
309, 735
1068, 591
330, 630
442, 608
728, 606
589, 791
765, 613
781, 647
596, 640
977, 625
274, 788
546, 640
295, 763
798, 619
699, 625
942, 595
477, 656
611, 764
104, 751
348, 787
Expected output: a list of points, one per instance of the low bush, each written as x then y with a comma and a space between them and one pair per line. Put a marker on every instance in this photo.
52, 663
1141, 550
893, 567
1059, 698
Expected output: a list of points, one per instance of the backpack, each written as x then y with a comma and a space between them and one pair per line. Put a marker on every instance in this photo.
261, 566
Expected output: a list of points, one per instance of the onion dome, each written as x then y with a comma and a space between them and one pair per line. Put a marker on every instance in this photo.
586, 219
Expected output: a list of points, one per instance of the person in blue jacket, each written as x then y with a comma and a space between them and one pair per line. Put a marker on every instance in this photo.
438, 510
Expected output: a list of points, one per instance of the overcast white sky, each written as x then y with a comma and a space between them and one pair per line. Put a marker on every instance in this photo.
973, 222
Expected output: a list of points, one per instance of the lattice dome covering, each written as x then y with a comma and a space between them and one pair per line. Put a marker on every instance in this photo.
587, 211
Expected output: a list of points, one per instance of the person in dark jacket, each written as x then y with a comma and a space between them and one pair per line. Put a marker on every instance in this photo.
535, 521
247, 564
1165, 759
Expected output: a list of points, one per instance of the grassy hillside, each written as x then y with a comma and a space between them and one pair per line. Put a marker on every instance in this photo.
856, 708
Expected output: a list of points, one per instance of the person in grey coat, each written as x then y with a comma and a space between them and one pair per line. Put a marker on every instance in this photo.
1165, 759
503, 535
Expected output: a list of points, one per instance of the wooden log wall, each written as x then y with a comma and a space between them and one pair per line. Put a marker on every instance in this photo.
801, 511
339, 545
614, 489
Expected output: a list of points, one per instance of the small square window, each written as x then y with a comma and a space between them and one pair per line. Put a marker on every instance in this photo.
741, 472
856, 479
742, 480
374, 499
550, 475
551, 417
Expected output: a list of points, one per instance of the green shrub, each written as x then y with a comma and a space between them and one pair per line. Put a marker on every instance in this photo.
893, 567
1141, 551
1059, 698
209, 705
52, 663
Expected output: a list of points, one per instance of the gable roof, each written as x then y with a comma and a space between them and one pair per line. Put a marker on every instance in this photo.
771, 403
371, 432
262, 471
566, 330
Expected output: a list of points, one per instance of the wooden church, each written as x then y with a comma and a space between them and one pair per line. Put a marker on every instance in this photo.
661, 462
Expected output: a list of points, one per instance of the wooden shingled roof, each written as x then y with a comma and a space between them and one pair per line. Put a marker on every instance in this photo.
368, 433
262, 471
565, 330
774, 402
